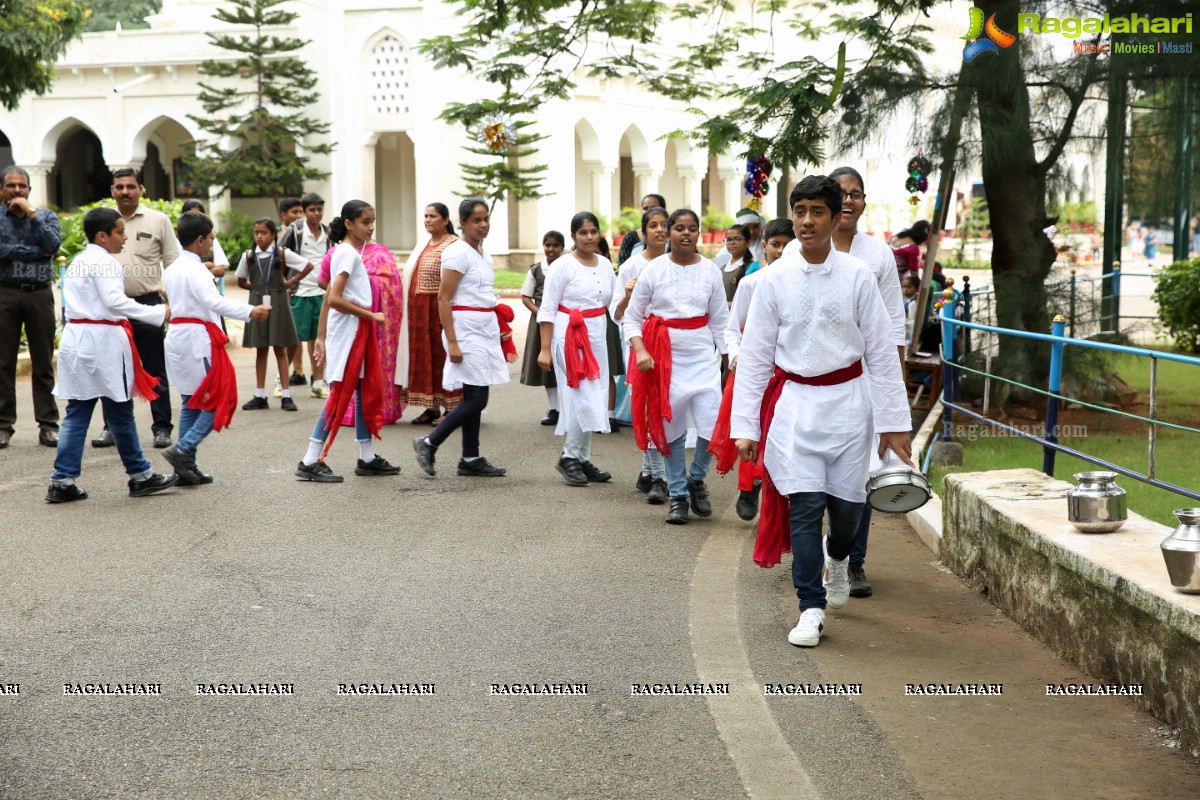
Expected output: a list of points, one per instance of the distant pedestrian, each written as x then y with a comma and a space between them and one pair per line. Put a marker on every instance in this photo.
426, 353
531, 296
308, 237
1151, 243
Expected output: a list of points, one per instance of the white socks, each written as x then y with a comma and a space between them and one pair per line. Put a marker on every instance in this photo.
366, 451
314, 453
552, 397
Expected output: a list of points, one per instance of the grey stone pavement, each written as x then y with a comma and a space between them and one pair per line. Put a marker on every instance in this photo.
463, 583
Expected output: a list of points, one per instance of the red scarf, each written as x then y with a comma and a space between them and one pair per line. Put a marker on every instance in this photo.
218, 391
774, 537
363, 357
650, 391
720, 444
581, 362
504, 315
145, 385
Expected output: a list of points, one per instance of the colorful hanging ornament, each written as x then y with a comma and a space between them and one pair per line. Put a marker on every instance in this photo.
757, 183
498, 132
919, 168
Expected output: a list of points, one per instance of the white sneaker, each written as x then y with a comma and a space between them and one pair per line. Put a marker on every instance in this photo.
320, 389
837, 582
278, 390
808, 630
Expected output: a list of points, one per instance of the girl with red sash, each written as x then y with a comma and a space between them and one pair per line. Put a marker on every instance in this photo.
346, 343
197, 363
573, 320
675, 322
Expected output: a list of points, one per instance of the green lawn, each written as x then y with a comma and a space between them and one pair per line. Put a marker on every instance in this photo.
1123, 442
510, 278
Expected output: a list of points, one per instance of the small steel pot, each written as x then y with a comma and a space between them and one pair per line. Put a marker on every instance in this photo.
1096, 504
896, 487
1181, 551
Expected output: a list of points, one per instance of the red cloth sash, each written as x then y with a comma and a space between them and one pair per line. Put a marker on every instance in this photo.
774, 536
504, 315
218, 391
145, 385
650, 391
363, 357
720, 444
581, 362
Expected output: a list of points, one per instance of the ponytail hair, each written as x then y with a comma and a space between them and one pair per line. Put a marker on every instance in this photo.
352, 210
267, 223
748, 256
444, 213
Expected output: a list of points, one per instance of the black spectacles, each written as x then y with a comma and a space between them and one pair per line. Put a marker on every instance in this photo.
735, 238
857, 197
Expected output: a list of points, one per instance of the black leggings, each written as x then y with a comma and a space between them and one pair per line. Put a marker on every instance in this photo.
466, 415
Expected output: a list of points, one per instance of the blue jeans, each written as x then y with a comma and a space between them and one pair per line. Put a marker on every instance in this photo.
73, 435
808, 562
858, 552
361, 434
677, 474
193, 426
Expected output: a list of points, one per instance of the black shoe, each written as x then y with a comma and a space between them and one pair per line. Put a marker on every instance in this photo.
376, 466
698, 493
678, 515
644, 482
185, 466
747, 504
317, 473
859, 585
594, 473
658, 493
297, 380
572, 471
615, 425
551, 417
162, 439
65, 494
47, 437
255, 403
104, 439
480, 468
156, 483
288, 404
425, 454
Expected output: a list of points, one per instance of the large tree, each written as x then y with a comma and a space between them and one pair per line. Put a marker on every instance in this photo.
129, 14
33, 36
254, 115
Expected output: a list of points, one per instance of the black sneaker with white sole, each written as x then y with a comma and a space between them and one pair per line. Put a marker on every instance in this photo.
376, 466
156, 483
318, 473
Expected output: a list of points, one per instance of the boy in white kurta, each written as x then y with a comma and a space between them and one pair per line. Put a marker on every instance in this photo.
97, 361
802, 400
195, 347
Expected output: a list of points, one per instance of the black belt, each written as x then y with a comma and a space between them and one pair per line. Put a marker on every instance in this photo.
24, 287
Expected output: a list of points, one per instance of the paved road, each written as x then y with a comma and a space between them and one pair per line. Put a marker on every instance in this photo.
462, 583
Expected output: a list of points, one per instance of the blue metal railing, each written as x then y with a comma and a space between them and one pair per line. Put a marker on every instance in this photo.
1049, 440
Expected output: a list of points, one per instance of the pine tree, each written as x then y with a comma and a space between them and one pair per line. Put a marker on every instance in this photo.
259, 113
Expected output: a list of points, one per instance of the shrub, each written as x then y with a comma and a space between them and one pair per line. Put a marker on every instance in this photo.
236, 233
714, 220
1177, 293
73, 241
630, 220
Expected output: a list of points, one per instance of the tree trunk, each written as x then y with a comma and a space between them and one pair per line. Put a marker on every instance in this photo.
1022, 255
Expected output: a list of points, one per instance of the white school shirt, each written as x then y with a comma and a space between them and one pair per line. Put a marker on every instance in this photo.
477, 332
668, 290
739, 310
313, 251
291, 260
574, 285
811, 319
882, 262
96, 360
191, 293
340, 327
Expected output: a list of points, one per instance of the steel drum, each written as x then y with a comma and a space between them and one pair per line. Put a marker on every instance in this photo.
896, 488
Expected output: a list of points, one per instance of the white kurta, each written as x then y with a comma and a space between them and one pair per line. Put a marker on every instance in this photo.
572, 285
666, 289
632, 268
96, 360
477, 332
882, 263
340, 327
738, 311
191, 293
811, 319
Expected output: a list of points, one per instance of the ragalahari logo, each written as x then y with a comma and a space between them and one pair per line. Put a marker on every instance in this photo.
996, 37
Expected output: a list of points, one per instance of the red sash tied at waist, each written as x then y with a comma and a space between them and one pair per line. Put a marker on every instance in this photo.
145, 385
504, 315
580, 360
218, 391
774, 536
364, 358
650, 391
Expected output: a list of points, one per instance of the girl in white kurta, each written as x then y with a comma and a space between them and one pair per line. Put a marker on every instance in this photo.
349, 351
97, 361
475, 354
677, 315
574, 323
653, 477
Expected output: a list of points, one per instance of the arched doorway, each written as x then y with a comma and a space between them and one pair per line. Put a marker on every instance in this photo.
396, 209
6, 159
80, 175
588, 168
159, 146
635, 158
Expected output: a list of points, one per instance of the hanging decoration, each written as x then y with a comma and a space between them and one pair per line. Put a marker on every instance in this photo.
758, 175
498, 132
919, 168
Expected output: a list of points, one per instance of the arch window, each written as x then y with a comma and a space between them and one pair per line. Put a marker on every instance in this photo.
388, 72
